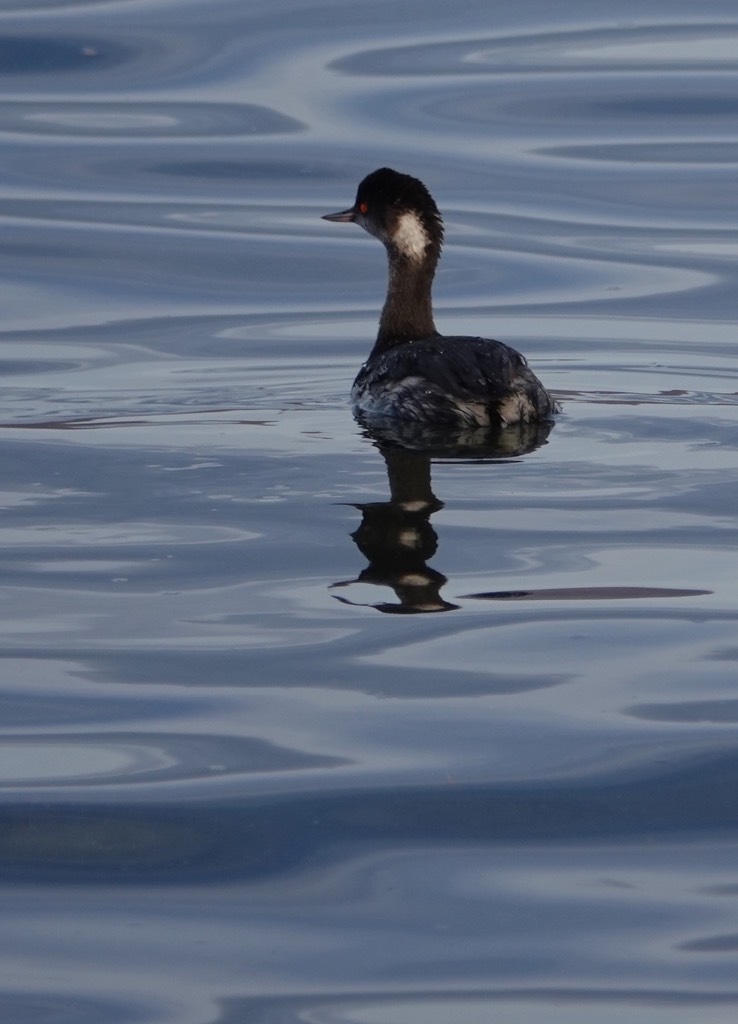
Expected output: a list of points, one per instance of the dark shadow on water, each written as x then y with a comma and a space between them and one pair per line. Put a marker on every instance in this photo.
122, 844
526, 1002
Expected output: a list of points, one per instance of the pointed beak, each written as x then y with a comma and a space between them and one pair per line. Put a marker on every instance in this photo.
344, 217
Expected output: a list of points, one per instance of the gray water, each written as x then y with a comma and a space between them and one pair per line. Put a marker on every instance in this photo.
259, 761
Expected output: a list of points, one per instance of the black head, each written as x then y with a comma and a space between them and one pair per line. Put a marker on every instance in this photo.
398, 210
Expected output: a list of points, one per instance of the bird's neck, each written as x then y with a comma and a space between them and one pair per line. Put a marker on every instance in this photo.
408, 309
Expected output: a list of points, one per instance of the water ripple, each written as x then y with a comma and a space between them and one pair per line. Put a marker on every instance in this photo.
223, 788
142, 120
677, 153
651, 47
58, 760
39, 55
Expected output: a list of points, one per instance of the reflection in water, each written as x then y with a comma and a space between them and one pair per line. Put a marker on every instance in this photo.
396, 536
585, 594
470, 443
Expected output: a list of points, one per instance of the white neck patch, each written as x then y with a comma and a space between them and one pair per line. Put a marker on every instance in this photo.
410, 237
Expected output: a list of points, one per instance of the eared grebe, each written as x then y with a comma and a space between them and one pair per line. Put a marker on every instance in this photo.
414, 373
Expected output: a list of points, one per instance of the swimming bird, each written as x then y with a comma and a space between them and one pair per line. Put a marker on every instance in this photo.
413, 373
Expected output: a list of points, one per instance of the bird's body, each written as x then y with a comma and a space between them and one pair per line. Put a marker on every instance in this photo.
413, 373
469, 382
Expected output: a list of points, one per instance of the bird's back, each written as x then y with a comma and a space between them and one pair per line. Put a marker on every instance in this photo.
456, 380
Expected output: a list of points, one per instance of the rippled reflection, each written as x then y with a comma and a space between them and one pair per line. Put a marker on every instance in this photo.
396, 535
398, 540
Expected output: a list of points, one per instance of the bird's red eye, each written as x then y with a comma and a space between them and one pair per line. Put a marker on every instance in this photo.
363, 208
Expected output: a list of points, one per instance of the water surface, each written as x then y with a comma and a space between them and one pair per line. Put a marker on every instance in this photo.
274, 748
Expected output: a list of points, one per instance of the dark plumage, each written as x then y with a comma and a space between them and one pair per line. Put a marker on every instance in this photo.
413, 372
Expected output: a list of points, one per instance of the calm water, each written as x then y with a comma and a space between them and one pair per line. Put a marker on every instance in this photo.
238, 784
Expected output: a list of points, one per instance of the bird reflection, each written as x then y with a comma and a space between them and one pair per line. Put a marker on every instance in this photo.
396, 536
